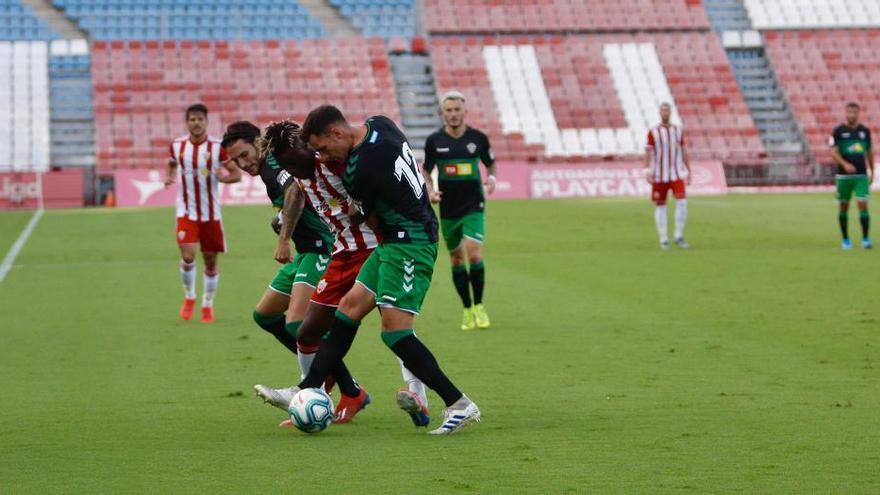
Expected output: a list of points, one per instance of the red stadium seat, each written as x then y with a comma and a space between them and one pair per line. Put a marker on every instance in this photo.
141, 89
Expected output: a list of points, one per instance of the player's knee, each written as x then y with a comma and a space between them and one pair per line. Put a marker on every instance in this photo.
456, 257
188, 258
475, 257
844, 206
265, 321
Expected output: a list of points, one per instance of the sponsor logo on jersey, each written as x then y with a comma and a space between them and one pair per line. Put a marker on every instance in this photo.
856, 148
442, 150
471, 147
458, 169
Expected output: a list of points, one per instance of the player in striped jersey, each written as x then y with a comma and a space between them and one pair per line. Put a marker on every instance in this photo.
323, 189
283, 308
669, 167
203, 164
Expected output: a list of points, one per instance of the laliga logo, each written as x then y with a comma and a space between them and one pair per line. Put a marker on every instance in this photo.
19, 191
149, 187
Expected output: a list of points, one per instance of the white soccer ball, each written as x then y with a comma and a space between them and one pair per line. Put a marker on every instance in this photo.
311, 410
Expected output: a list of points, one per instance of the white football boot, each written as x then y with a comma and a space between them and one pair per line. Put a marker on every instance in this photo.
278, 397
456, 417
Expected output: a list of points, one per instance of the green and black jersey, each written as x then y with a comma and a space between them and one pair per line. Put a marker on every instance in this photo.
382, 174
311, 234
853, 144
458, 168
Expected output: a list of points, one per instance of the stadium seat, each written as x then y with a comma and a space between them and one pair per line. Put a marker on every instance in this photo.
24, 124
142, 89
562, 94
821, 71
800, 14
179, 19
445, 16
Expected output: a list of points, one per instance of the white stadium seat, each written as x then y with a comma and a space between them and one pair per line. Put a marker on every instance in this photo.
801, 14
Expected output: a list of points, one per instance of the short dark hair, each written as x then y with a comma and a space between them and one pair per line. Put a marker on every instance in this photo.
240, 130
852, 104
320, 120
196, 107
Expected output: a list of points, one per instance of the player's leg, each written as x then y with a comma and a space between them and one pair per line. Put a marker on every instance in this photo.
212, 242
659, 191
187, 241
269, 315
404, 279
452, 236
473, 236
862, 189
211, 279
681, 211
844, 194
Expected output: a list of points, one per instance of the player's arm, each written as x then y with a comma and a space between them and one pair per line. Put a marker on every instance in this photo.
294, 202
686, 159
838, 158
870, 159
487, 156
427, 168
233, 173
649, 158
171, 172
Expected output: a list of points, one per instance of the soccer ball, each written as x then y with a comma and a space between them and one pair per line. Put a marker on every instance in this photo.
311, 410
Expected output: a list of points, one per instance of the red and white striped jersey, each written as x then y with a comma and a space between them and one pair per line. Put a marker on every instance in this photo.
197, 196
667, 142
327, 196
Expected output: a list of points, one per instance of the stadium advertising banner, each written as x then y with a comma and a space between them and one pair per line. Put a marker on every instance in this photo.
516, 181
614, 179
58, 189
147, 188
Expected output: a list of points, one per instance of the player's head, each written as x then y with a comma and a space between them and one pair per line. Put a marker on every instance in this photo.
197, 120
240, 143
283, 141
852, 113
665, 112
452, 109
328, 133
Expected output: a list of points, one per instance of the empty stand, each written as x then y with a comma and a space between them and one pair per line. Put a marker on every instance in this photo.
18, 22
24, 97
512, 16
799, 14
385, 18
583, 78
181, 19
821, 71
142, 88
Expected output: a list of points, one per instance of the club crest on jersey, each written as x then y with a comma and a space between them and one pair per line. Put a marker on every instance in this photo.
861, 134
321, 286
204, 172
471, 147
181, 234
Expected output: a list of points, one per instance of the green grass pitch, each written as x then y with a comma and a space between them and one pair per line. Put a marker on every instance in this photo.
747, 365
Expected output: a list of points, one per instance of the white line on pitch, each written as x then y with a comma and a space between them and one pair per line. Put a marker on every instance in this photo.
19, 243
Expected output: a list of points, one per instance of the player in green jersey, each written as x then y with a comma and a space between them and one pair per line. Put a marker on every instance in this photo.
381, 174
851, 148
282, 307
456, 150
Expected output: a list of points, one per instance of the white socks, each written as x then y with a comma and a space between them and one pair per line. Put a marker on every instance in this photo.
681, 213
210, 286
188, 278
305, 356
413, 384
661, 223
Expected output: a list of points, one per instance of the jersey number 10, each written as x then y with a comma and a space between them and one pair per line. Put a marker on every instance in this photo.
405, 167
